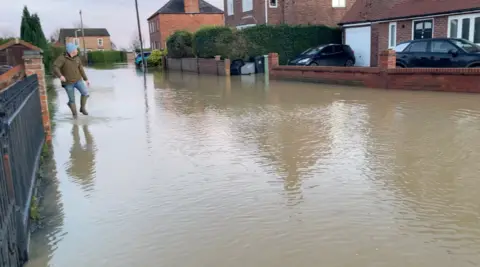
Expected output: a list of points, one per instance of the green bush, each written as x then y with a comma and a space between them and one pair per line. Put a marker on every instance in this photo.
179, 44
106, 57
155, 58
288, 41
212, 40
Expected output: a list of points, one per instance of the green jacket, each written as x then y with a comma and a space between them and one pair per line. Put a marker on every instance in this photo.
70, 67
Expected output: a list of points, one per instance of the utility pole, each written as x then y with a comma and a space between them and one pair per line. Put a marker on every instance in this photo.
83, 36
140, 35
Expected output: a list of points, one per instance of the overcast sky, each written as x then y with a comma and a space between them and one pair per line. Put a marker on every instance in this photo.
118, 16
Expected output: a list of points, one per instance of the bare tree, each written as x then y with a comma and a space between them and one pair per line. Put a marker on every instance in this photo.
55, 36
114, 46
135, 44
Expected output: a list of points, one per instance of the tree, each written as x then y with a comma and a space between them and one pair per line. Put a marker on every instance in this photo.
54, 37
31, 31
135, 44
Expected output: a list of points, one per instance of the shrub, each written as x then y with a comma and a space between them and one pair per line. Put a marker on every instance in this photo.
288, 41
155, 58
106, 57
179, 44
212, 40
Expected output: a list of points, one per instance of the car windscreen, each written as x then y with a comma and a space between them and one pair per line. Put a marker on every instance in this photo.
466, 45
401, 47
312, 51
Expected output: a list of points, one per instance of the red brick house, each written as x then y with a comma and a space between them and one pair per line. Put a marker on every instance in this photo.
246, 13
371, 26
176, 15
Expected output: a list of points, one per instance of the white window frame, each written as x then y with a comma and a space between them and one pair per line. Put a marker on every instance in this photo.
392, 43
100, 49
460, 18
339, 3
100, 41
271, 5
76, 41
422, 19
230, 7
247, 5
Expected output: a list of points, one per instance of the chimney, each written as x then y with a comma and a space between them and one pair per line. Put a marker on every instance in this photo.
191, 6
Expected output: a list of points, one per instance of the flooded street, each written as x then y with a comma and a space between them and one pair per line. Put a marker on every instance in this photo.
183, 170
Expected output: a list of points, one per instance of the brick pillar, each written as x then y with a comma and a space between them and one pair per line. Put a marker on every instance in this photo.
33, 61
272, 61
227, 66
387, 59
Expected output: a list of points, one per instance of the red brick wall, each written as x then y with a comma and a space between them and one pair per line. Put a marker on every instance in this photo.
440, 27
386, 76
169, 23
288, 11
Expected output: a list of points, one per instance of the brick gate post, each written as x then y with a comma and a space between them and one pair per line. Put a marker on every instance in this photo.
33, 61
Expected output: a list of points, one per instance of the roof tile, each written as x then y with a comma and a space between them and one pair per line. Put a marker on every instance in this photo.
374, 10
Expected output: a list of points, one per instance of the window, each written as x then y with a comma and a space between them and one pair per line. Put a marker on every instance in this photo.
273, 3
392, 35
467, 45
465, 26
100, 41
76, 41
338, 3
230, 7
418, 47
453, 27
150, 26
328, 50
442, 47
247, 5
422, 29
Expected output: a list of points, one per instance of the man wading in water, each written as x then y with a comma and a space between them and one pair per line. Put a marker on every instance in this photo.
69, 69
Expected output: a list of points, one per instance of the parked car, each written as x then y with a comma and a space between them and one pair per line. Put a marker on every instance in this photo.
325, 55
401, 46
138, 58
439, 53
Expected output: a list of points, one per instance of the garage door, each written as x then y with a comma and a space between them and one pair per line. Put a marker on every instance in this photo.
359, 39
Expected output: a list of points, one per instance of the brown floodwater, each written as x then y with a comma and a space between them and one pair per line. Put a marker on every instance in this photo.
189, 171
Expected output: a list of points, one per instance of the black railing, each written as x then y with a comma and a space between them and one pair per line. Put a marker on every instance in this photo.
21, 140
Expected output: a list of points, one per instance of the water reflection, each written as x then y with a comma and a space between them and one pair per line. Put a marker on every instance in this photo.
236, 172
82, 158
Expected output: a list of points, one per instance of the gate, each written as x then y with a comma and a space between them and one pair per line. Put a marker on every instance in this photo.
21, 140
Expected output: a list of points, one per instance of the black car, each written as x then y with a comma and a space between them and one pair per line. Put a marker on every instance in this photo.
439, 53
325, 55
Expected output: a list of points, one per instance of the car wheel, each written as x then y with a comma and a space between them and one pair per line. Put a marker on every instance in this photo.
349, 63
313, 64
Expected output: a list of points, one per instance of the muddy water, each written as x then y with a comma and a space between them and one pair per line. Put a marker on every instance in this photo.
181, 170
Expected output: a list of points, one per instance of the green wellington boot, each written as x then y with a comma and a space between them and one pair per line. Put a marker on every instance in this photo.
83, 103
73, 108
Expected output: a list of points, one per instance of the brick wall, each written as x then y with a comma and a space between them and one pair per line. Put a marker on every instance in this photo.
288, 11
169, 23
11, 76
386, 76
200, 65
91, 42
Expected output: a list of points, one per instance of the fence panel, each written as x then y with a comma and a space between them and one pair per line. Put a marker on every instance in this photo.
21, 123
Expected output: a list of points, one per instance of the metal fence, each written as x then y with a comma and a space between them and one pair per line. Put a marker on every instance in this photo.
21, 141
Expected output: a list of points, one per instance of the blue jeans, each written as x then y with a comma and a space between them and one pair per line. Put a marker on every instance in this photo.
70, 88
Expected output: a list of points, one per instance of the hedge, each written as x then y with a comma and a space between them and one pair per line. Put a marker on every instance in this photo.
179, 44
288, 41
155, 58
106, 57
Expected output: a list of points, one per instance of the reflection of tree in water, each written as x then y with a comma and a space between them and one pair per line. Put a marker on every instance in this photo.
82, 158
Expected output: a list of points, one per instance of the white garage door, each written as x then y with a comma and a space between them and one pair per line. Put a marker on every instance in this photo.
359, 39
